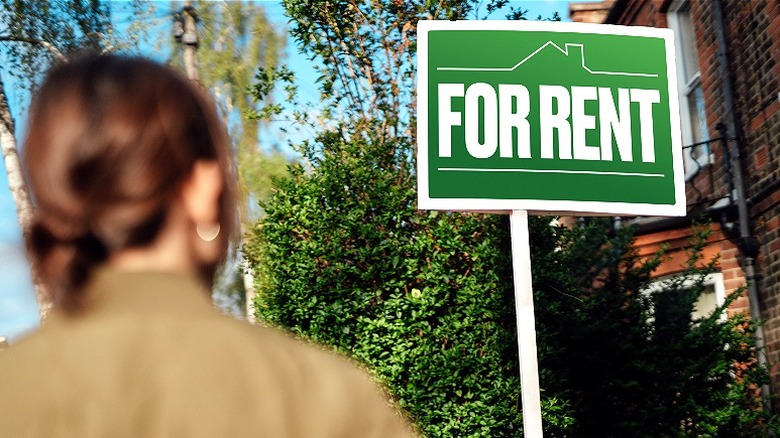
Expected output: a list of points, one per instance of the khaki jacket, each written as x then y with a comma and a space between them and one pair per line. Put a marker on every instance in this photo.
150, 357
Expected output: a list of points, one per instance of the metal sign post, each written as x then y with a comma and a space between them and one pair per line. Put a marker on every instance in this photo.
526, 324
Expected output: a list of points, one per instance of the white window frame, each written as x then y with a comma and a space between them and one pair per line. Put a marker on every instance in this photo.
714, 279
685, 86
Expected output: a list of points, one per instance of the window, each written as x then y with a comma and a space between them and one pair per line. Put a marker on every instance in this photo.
693, 119
713, 295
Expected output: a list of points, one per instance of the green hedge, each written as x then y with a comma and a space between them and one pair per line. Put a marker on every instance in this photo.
345, 259
425, 300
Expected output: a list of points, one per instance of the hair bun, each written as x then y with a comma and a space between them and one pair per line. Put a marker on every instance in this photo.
66, 259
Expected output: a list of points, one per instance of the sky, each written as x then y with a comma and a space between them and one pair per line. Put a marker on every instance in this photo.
18, 309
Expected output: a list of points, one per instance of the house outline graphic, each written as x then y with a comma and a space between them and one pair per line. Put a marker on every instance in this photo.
564, 50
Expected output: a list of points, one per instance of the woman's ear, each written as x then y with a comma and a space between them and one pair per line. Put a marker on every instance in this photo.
201, 191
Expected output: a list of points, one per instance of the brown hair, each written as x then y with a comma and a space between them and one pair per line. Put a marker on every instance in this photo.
110, 141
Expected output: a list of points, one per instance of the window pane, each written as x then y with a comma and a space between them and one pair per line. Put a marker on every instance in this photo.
698, 120
706, 304
687, 39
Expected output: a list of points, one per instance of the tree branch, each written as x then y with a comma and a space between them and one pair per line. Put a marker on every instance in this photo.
45, 44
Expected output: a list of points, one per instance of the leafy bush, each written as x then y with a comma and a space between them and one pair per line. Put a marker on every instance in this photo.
631, 358
422, 298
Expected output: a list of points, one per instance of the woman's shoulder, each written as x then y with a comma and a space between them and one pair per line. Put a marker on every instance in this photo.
264, 376
295, 357
325, 382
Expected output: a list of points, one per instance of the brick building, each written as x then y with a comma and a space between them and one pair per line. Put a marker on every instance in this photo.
728, 61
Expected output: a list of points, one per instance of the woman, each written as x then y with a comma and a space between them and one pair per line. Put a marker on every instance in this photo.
131, 174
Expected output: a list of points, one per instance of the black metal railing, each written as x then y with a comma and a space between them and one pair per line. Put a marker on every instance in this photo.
708, 172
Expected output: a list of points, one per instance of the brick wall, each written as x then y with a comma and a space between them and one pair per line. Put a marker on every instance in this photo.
719, 245
753, 34
767, 230
590, 12
754, 47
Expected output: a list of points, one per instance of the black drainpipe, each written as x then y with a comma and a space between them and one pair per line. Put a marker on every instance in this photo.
748, 244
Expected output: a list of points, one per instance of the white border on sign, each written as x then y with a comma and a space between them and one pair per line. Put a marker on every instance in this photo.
425, 202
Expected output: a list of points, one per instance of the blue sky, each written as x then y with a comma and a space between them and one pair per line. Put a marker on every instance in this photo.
18, 309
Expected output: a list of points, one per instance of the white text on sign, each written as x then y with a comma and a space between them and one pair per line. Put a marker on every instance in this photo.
557, 104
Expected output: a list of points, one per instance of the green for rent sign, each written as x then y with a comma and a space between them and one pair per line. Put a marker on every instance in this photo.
544, 116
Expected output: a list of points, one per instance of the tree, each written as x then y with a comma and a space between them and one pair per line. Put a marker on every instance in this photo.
364, 52
235, 40
627, 352
33, 34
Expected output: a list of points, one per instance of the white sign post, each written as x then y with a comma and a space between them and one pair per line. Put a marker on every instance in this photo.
526, 324
515, 116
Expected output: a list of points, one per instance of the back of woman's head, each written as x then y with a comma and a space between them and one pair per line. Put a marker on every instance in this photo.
110, 142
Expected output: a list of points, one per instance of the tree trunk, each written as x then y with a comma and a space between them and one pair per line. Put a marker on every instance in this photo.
190, 40
249, 291
24, 208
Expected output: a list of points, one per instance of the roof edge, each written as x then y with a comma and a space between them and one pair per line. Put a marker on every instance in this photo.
615, 11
